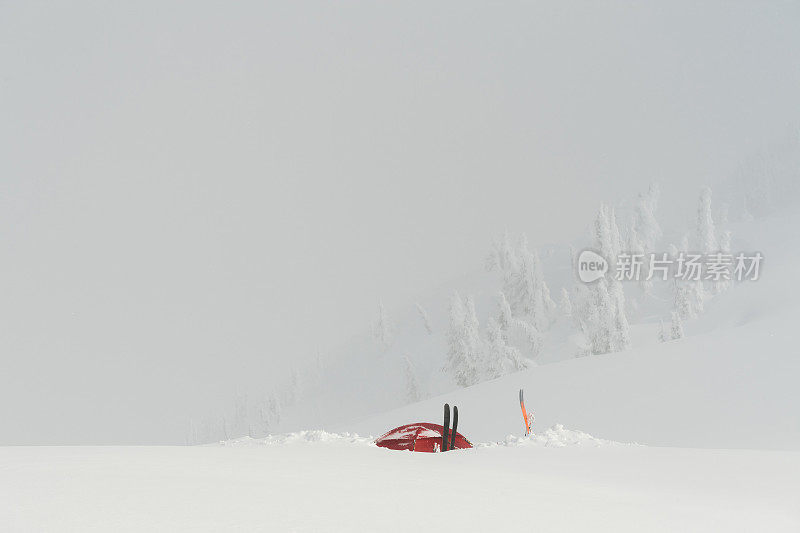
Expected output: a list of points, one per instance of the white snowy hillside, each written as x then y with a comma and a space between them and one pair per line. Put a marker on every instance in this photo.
644, 356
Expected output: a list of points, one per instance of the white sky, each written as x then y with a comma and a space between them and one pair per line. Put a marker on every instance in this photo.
193, 194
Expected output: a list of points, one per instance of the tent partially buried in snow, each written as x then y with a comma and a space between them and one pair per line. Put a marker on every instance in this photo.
419, 437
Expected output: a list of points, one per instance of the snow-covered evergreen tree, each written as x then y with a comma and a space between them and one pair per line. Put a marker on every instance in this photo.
456, 350
517, 332
635, 246
505, 318
606, 325
644, 219
621, 337
723, 284
530, 297
565, 304
595, 313
383, 330
274, 409
607, 238
461, 363
616, 236
676, 330
706, 236
503, 258
683, 299
689, 295
532, 338
473, 341
573, 258
412, 386
495, 350
723, 214
424, 316
725, 242
500, 358
663, 334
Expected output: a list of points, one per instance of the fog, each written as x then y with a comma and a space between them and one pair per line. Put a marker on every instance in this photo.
194, 195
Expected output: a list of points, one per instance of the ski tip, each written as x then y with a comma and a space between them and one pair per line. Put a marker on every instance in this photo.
520, 394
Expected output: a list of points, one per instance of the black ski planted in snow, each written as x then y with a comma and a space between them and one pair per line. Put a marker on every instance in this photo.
445, 427
455, 428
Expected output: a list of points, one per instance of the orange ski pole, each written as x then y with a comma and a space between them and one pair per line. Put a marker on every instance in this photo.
524, 414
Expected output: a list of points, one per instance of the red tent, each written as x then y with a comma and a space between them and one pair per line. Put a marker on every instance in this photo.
419, 437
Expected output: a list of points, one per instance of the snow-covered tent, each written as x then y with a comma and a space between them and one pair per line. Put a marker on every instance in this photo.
419, 437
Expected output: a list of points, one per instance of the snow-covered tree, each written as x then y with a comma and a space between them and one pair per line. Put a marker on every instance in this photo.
689, 295
621, 337
602, 330
274, 409
517, 332
723, 213
725, 242
676, 330
473, 341
412, 386
663, 334
594, 312
500, 358
573, 258
723, 284
505, 318
644, 220
747, 216
503, 258
424, 316
530, 297
683, 299
240, 423
263, 420
192, 436
532, 338
603, 240
495, 350
461, 363
382, 330
635, 246
706, 236
565, 304
689, 298
608, 329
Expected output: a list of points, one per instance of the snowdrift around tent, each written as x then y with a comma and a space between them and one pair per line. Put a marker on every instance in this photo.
419, 437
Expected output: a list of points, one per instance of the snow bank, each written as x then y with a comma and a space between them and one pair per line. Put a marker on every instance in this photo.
557, 437
298, 437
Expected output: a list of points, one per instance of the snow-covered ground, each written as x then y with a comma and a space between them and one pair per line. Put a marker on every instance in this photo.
698, 434
321, 482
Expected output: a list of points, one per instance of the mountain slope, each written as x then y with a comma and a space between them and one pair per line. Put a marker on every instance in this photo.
729, 384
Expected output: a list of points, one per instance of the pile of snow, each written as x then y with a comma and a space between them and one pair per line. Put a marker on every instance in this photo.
556, 437
298, 437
